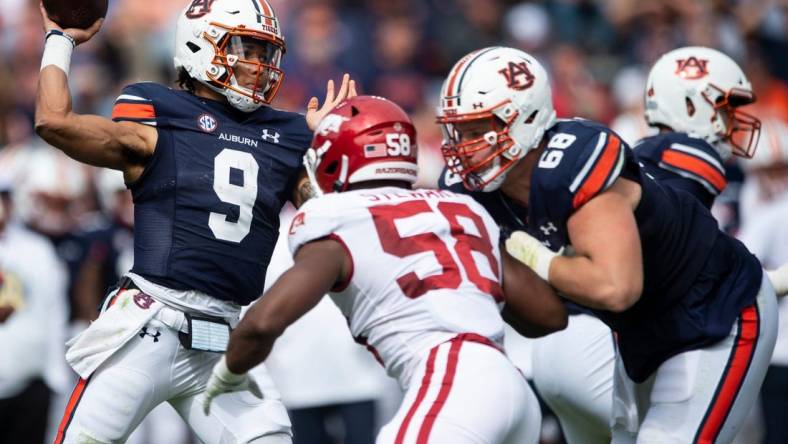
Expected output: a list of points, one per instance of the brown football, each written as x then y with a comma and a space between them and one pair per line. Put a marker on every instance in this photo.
75, 13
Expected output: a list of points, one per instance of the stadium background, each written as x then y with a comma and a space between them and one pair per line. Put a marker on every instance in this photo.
598, 54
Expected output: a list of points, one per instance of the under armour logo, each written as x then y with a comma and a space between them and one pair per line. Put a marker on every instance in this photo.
549, 228
144, 332
268, 137
478, 105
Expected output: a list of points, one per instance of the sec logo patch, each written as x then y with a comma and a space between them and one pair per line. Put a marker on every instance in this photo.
207, 123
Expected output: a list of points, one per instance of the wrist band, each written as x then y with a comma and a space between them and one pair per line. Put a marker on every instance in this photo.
58, 47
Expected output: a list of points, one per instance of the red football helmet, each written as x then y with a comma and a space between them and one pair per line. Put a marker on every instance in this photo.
364, 138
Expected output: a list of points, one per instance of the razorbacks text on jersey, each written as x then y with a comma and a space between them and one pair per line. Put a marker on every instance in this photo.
426, 267
684, 163
207, 205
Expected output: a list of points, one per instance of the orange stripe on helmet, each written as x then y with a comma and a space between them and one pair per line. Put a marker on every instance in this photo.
453, 77
268, 12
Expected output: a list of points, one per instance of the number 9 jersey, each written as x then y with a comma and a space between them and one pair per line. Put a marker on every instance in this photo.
426, 267
207, 205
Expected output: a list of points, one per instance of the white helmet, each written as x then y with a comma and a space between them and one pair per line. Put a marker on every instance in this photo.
697, 90
507, 88
213, 38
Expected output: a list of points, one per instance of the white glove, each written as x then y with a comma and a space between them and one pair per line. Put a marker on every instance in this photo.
224, 381
528, 250
779, 278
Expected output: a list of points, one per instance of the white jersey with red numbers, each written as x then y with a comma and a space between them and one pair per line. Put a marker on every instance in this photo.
426, 267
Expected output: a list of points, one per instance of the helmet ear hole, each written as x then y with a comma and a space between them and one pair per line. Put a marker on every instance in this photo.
354, 111
332, 167
193, 47
532, 117
690, 106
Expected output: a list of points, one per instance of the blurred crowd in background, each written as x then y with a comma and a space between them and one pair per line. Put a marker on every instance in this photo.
598, 54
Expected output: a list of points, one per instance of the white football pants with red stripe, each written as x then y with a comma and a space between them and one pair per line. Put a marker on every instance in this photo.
465, 392
153, 368
701, 396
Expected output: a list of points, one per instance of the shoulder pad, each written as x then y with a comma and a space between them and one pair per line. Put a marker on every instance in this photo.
136, 103
315, 220
697, 160
581, 160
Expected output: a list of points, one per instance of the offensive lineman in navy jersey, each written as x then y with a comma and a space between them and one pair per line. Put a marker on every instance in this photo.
209, 168
694, 317
688, 155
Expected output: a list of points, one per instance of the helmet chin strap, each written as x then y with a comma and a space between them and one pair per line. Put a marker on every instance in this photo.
311, 161
340, 183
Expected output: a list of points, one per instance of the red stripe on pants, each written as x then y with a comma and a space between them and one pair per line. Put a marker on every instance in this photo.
425, 384
735, 372
448, 381
73, 401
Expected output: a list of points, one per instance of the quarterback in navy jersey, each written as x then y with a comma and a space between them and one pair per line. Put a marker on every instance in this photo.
686, 301
209, 165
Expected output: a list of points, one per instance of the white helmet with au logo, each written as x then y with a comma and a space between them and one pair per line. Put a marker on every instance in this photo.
697, 90
218, 39
504, 95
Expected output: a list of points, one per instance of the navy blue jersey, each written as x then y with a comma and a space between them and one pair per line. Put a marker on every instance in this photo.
207, 205
696, 279
509, 215
684, 163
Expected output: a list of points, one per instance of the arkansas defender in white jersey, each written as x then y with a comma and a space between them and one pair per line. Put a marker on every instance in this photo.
418, 274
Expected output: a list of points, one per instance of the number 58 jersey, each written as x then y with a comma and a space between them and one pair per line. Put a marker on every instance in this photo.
207, 205
426, 266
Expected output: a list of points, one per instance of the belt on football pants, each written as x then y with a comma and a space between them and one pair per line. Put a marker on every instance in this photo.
195, 332
168, 316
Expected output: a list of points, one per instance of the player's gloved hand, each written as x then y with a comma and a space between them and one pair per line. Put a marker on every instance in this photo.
224, 381
779, 278
528, 250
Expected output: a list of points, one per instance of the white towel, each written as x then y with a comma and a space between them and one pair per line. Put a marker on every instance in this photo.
107, 334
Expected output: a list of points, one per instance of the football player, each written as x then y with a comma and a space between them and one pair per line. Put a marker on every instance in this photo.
692, 97
420, 277
693, 314
209, 167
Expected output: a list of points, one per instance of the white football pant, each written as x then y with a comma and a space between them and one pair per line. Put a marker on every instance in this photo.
465, 392
153, 368
701, 396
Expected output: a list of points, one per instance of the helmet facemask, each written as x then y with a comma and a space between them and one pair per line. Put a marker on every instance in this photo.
479, 149
735, 128
246, 67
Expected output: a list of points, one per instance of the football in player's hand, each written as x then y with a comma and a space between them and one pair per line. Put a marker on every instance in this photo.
79, 14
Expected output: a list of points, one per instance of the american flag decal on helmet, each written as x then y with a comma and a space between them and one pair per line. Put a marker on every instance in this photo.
375, 150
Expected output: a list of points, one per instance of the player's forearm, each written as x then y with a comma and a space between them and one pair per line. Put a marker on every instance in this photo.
53, 101
248, 348
595, 286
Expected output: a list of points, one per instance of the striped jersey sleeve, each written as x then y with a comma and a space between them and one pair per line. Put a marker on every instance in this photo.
696, 163
597, 172
134, 105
